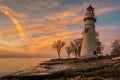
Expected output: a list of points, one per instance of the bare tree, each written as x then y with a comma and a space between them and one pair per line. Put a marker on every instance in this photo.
73, 45
58, 46
69, 50
76, 45
116, 47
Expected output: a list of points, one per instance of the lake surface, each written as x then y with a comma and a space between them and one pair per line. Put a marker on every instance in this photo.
11, 65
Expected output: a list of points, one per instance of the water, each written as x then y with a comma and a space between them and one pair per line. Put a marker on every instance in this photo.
11, 65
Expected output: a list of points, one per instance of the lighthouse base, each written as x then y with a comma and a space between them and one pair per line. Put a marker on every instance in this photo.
83, 57
88, 56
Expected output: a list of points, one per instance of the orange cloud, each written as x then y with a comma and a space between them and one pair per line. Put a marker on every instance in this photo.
8, 13
44, 4
38, 45
56, 24
18, 15
65, 17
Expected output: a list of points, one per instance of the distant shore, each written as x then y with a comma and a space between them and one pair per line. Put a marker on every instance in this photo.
71, 69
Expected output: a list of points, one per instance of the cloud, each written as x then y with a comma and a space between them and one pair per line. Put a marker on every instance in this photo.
104, 10
9, 13
45, 21
55, 20
13, 13
38, 44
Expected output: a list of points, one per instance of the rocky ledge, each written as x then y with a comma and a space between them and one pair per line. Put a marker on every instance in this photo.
71, 69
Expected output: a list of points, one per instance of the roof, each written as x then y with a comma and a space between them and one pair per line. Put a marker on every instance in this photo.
90, 7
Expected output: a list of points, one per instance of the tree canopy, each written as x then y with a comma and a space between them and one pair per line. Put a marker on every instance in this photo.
58, 46
116, 47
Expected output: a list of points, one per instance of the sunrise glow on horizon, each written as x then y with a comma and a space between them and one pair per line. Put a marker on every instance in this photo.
29, 27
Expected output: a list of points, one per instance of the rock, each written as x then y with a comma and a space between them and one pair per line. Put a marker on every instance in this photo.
82, 69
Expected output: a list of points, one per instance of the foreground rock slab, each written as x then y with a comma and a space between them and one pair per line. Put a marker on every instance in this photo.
70, 69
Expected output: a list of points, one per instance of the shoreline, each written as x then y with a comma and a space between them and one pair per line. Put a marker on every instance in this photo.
87, 69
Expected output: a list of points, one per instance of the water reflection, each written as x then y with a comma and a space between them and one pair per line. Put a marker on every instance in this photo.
10, 65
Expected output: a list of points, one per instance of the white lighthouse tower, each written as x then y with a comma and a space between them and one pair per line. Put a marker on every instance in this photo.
89, 38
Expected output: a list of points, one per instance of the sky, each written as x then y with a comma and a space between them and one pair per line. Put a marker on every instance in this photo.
29, 27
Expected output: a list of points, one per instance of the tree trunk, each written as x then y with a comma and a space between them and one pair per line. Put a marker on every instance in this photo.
58, 55
76, 55
68, 56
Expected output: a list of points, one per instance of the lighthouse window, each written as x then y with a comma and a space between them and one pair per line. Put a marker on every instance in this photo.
86, 29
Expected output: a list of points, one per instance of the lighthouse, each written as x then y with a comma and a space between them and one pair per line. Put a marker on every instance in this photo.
89, 37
